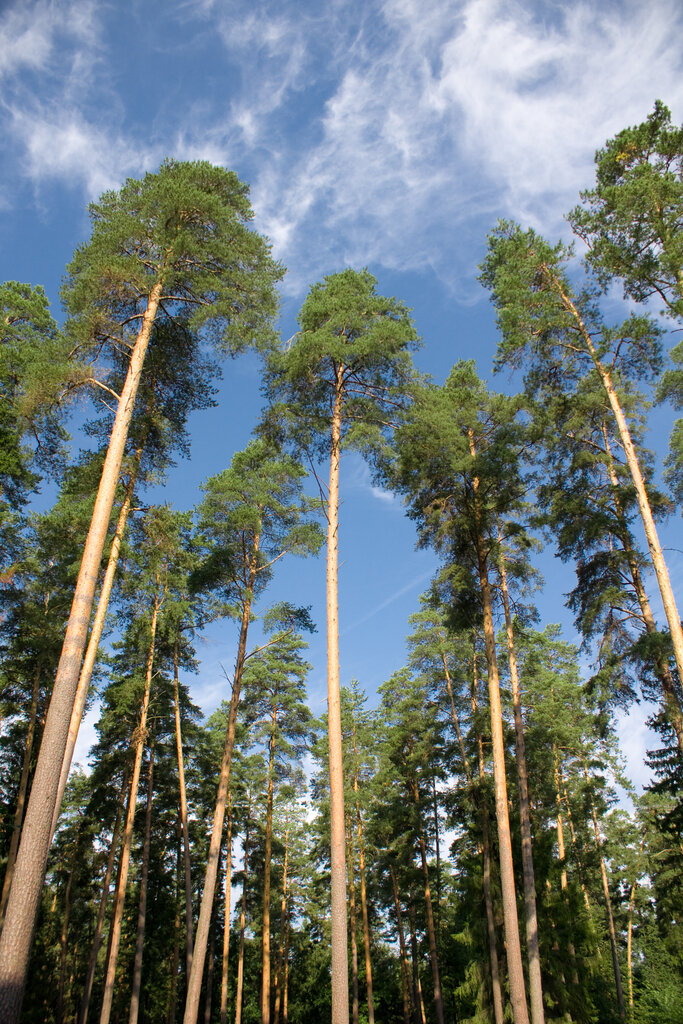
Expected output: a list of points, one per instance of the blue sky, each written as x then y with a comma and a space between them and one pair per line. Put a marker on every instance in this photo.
390, 135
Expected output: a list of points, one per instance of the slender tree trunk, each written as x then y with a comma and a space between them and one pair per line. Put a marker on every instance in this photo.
24, 898
350, 866
507, 878
494, 965
117, 921
672, 703
629, 940
194, 985
363, 891
226, 926
659, 565
104, 899
285, 997
95, 637
265, 930
562, 856
21, 794
209, 972
243, 919
437, 853
64, 932
418, 1002
183, 813
142, 907
431, 931
406, 989
340, 970
279, 977
610, 916
175, 959
530, 913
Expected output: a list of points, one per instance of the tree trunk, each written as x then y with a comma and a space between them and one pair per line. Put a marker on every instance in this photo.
437, 854
194, 985
431, 931
494, 965
659, 565
530, 913
408, 1009
363, 892
21, 795
243, 919
209, 972
95, 637
115, 935
340, 969
265, 930
629, 940
104, 899
507, 877
352, 926
285, 997
562, 856
175, 959
610, 916
142, 907
183, 813
226, 925
672, 704
283, 922
64, 932
418, 1002
24, 898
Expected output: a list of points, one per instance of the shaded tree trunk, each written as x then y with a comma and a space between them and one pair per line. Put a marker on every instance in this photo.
265, 931
142, 907
431, 931
530, 913
279, 977
408, 1009
104, 899
226, 926
21, 794
350, 867
610, 916
115, 934
183, 812
243, 919
363, 892
194, 985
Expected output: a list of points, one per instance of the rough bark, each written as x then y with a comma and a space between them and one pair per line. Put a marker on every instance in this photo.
24, 898
104, 899
117, 921
530, 913
340, 970
21, 794
194, 985
183, 813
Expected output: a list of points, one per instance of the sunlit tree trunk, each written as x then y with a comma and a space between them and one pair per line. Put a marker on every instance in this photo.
265, 930
22, 907
279, 978
658, 563
340, 971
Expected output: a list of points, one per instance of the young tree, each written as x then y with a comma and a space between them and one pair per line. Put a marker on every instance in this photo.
175, 245
340, 383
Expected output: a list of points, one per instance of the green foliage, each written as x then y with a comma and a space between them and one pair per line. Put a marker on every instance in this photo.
632, 219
